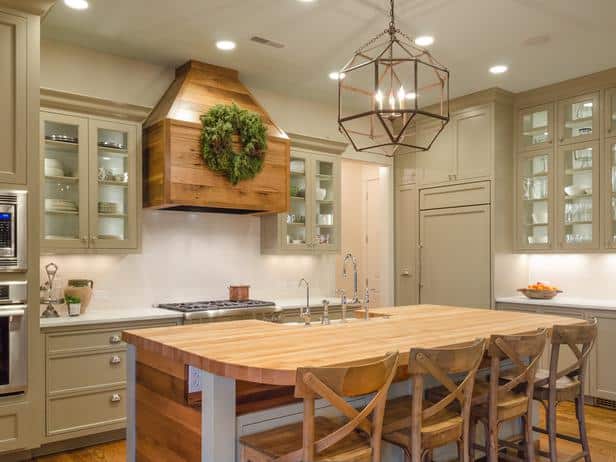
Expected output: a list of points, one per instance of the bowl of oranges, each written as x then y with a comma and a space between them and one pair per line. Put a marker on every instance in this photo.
541, 291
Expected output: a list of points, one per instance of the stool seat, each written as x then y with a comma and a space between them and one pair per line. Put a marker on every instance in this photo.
280, 441
508, 405
438, 430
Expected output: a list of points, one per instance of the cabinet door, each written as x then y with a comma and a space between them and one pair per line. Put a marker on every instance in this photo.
610, 112
326, 199
609, 193
64, 181
406, 246
294, 226
473, 144
577, 194
578, 119
13, 109
437, 165
455, 261
534, 198
602, 370
113, 185
536, 127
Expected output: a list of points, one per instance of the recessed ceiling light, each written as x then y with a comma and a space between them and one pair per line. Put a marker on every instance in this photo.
305, 1
499, 69
77, 4
424, 40
337, 75
225, 45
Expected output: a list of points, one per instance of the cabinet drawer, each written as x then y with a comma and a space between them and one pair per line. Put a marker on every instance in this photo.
455, 196
72, 372
86, 410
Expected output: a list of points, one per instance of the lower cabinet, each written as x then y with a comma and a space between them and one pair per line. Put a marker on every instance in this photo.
601, 377
85, 380
13, 426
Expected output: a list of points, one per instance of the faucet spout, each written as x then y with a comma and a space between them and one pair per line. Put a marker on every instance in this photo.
350, 257
305, 313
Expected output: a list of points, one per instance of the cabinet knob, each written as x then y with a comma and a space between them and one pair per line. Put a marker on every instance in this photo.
115, 359
115, 398
84, 239
115, 339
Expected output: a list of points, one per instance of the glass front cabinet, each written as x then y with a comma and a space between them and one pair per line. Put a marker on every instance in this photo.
312, 223
90, 184
578, 119
536, 127
610, 192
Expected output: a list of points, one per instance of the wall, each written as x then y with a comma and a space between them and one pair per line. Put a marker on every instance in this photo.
185, 256
578, 275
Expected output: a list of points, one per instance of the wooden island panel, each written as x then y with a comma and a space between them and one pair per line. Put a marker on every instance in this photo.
267, 353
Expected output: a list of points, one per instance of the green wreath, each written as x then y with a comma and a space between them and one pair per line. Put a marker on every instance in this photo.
220, 123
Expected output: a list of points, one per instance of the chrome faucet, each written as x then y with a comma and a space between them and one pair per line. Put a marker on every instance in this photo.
325, 318
347, 257
343, 303
305, 313
367, 302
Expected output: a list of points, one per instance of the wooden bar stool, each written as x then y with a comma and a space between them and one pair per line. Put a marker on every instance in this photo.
567, 384
418, 426
508, 394
321, 439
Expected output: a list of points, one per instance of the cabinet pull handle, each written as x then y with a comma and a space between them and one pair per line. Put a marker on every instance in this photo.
115, 339
115, 359
115, 398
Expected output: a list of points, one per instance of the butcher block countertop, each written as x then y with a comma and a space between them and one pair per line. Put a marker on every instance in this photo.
269, 353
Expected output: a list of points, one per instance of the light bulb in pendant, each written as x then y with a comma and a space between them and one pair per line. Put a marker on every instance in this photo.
392, 101
401, 96
379, 99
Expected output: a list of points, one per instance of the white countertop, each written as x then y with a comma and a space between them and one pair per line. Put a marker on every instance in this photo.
103, 315
562, 301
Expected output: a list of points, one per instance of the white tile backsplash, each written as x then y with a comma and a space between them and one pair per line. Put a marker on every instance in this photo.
190, 256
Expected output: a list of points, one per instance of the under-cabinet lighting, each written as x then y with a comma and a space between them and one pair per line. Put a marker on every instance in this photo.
77, 4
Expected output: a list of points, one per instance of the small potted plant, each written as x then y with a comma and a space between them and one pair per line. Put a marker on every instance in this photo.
73, 304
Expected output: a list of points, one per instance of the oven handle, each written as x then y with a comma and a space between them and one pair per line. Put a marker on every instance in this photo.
12, 310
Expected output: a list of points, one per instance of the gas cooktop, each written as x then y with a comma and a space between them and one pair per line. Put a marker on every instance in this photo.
213, 305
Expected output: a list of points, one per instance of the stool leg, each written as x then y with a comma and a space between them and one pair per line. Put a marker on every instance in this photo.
551, 427
529, 438
472, 438
581, 418
493, 438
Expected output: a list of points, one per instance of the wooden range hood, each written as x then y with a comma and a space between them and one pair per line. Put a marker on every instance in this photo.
175, 175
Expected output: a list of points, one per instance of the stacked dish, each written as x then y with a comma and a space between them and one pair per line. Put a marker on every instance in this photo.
54, 167
108, 207
60, 205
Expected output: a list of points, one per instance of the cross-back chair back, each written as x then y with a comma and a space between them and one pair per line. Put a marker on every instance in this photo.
334, 384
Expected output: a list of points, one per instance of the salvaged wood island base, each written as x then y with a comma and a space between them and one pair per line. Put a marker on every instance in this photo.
247, 371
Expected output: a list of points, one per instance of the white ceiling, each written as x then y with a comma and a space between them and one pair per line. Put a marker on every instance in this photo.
542, 41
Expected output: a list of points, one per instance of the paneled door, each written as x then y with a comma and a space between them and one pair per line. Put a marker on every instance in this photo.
113, 184
578, 119
13, 102
438, 164
64, 181
473, 143
535, 200
536, 127
577, 195
602, 371
455, 262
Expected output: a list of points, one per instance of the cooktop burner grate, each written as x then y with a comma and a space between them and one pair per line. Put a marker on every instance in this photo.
215, 305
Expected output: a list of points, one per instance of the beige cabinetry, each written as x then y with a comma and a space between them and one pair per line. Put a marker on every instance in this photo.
85, 379
14, 107
535, 127
601, 377
312, 224
90, 177
462, 151
579, 119
406, 287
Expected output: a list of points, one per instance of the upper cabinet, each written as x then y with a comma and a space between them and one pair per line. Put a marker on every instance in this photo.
578, 119
462, 151
536, 127
312, 223
91, 180
13, 110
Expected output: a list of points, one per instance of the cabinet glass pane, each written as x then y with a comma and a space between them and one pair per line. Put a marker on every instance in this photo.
611, 114
535, 128
296, 218
62, 182
578, 118
612, 197
112, 179
535, 188
578, 210
325, 203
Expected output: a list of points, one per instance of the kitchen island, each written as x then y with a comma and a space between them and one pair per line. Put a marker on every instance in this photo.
250, 365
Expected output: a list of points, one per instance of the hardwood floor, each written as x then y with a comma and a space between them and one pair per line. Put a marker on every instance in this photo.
601, 430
